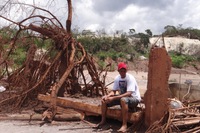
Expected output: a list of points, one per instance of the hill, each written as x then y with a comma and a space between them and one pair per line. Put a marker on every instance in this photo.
179, 44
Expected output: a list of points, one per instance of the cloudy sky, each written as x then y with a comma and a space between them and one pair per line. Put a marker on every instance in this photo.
140, 15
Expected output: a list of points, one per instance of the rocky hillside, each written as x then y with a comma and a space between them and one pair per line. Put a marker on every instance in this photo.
180, 44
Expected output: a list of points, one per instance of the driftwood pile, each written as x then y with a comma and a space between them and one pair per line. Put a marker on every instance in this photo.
182, 120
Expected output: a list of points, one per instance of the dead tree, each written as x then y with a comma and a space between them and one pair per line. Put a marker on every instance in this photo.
53, 74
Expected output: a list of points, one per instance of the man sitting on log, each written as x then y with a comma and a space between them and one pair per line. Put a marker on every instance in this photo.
128, 97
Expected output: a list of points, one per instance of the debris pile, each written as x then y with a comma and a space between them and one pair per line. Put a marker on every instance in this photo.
184, 119
59, 68
161, 113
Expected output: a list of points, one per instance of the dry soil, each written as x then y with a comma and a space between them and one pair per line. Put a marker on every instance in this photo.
8, 126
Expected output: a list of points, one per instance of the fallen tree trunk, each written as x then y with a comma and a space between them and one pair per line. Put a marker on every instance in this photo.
91, 108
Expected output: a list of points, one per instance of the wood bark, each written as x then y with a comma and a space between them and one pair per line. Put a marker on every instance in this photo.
91, 108
156, 96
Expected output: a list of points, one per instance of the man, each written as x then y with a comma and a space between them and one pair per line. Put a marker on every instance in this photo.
128, 97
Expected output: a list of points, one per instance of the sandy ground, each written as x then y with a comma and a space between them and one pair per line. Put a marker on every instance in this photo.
80, 126
34, 127
16, 126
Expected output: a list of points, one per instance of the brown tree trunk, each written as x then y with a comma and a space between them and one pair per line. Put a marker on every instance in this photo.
156, 95
62, 69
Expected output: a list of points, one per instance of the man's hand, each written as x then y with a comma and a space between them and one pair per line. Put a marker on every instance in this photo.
104, 98
107, 99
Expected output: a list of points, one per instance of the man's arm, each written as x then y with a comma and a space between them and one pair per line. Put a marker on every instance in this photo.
111, 93
127, 94
115, 97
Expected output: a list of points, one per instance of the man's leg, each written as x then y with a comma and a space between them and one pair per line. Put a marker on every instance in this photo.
124, 106
103, 113
104, 107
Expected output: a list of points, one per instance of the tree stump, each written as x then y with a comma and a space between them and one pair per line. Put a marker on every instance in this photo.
156, 95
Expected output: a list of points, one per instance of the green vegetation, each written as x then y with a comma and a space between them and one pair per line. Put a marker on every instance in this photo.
101, 64
103, 47
7, 33
179, 60
19, 56
107, 47
180, 31
19, 51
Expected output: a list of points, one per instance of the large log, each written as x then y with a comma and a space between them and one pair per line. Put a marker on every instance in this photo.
91, 108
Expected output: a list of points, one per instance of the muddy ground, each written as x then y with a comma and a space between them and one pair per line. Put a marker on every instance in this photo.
16, 126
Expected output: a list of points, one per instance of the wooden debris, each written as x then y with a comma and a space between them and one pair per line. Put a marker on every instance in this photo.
184, 120
54, 74
88, 108
159, 115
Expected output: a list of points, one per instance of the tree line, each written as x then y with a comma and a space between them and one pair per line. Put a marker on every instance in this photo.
129, 46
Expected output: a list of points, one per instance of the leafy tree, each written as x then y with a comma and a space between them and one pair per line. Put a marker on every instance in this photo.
131, 31
186, 32
148, 31
170, 30
144, 39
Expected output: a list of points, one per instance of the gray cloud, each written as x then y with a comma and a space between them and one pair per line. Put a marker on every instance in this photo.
110, 5
141, 14
113, 15
159, 4
117, 5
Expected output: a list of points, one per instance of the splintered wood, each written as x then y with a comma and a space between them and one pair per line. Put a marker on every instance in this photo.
181, 120
157, 87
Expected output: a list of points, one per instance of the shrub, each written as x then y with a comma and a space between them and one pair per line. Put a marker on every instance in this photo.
101, 64
178, 61
19, 57
102, 55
